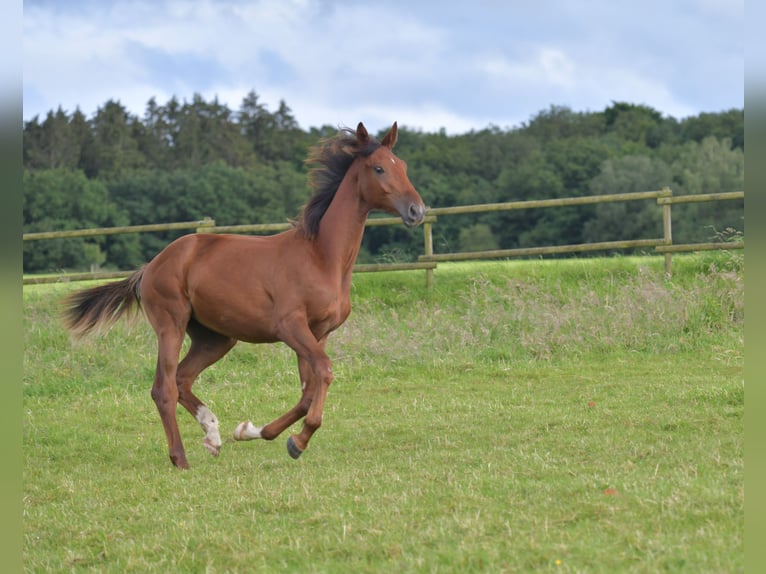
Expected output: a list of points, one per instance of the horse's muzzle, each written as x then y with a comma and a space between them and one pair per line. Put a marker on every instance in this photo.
414, 214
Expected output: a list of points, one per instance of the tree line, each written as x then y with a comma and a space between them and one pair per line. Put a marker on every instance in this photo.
188, 160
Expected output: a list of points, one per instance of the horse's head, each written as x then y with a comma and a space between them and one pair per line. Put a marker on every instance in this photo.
383, 180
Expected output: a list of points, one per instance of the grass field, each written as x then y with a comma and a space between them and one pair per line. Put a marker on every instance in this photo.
531, 416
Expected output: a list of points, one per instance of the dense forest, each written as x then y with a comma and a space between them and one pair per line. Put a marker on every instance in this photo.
187, 160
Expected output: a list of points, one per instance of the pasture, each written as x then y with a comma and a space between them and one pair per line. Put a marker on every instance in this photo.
556, 416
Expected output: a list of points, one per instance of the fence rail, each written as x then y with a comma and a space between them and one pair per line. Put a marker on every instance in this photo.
542, 203
201, 224
429, 260
529, 251
270, 227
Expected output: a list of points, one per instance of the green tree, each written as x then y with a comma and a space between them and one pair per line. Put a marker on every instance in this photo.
51, 144
63, 199
576, 160
154, 136
558, 122
627, 219
205, 132
630, 122
711, 166
83, 142
729, 124
534, 178
115, 146
273, 136
477, 237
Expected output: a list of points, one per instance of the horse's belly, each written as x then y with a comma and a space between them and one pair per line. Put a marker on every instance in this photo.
253, 324
257, 318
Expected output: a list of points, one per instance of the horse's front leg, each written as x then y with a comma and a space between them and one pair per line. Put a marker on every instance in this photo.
318, 364
316, 377
248, 431
296, 444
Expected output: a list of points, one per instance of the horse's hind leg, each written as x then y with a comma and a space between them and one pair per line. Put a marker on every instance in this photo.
206, 348
168, 311
165, 390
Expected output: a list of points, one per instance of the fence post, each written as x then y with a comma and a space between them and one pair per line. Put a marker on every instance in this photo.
667, 229
204, 224
428, 249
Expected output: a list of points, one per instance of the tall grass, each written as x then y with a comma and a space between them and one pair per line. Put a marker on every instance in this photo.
574, 415
552, 309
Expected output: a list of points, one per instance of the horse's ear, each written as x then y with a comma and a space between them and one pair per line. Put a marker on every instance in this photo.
362, 137
390, 140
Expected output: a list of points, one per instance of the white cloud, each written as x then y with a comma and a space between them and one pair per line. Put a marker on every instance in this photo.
559, 69
728, 8
427, 116
582, 85
333, 62
70, 61
548, 67
615, 84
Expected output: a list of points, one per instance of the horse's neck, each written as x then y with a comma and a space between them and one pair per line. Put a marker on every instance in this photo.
342, 228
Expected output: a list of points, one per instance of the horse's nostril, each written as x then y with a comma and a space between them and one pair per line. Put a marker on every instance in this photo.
416, 211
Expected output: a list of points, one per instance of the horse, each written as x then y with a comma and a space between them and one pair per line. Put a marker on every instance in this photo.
292, 287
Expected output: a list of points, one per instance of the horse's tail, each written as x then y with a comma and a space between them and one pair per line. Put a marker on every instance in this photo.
100, 307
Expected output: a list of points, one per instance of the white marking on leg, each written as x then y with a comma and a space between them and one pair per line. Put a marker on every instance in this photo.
209, 424
247, 431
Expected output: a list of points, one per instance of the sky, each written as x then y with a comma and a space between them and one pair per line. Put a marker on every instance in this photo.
452, 65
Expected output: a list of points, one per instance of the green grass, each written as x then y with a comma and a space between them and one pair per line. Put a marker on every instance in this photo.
562, 416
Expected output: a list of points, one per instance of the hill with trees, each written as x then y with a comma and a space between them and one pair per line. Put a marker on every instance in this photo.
188, 160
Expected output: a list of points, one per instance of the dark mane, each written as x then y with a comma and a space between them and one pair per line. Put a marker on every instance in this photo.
330, 159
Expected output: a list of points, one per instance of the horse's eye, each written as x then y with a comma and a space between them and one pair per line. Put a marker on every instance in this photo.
379, 170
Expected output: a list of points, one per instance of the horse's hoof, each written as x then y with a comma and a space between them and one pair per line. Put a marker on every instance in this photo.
214, 449
179, 462
239, 431
292, 448
247, 431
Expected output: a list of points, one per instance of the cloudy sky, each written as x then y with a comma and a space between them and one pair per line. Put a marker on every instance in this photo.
452, 64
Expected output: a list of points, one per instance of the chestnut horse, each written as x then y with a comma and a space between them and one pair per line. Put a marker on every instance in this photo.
292, 287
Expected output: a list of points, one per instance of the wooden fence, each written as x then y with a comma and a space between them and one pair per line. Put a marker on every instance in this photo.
664, 197
429, 260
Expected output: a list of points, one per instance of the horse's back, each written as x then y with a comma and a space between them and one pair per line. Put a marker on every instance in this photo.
213, 253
